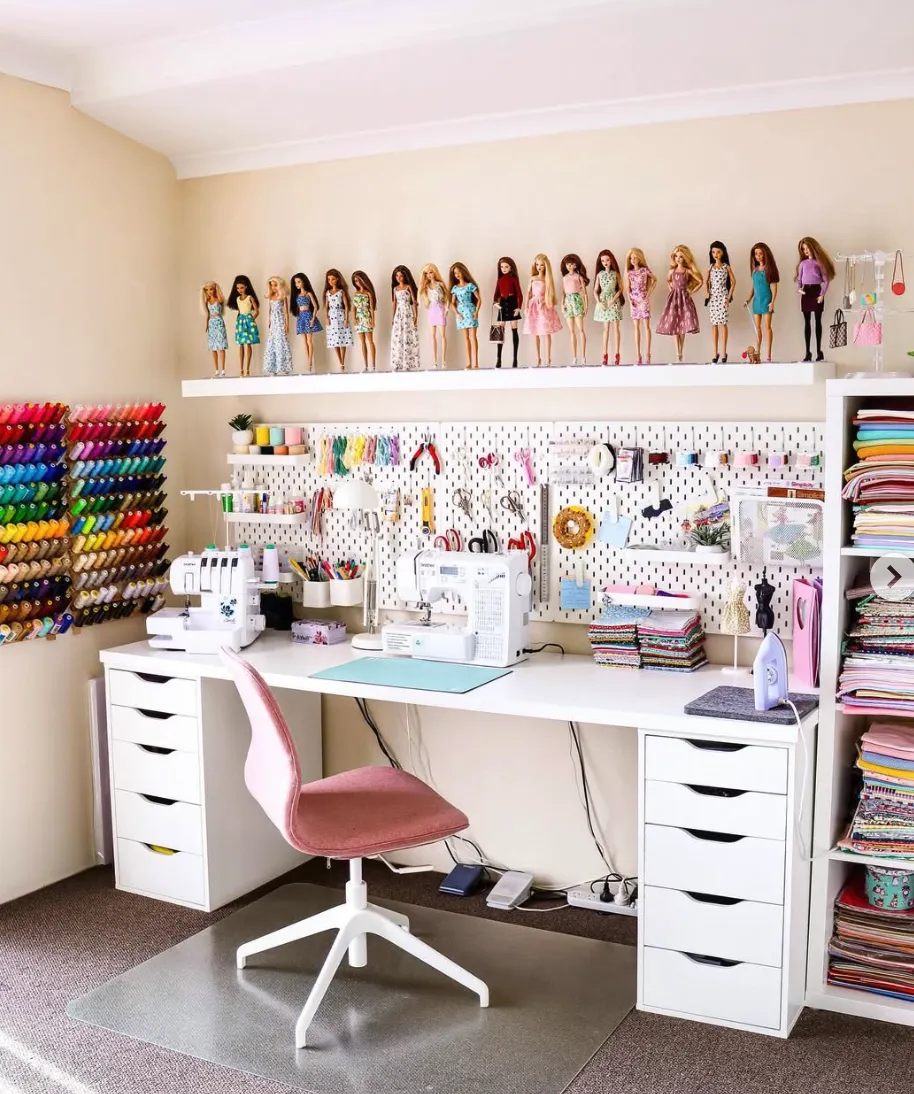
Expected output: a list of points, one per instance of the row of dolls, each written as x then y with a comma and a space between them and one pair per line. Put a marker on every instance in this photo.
350, 314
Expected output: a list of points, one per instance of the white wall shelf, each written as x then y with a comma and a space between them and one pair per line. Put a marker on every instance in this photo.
268, 461
840, 855
690, 558
265, 518
556, 378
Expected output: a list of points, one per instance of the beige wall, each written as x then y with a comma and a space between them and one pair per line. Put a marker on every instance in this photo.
775, 177
89, 247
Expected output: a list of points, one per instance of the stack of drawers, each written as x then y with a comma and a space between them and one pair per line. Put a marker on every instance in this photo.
715, 862
156, 786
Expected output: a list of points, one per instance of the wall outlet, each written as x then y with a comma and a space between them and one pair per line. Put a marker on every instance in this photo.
586, 898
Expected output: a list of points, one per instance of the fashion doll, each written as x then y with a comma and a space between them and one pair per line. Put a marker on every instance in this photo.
813, 275
509, 297
243, 300
433, 294
277, 357
212, 304
641, 283
574, 302
607, 291
338, 304
765, 277
720, 285
404, 331
542, 319
364, 305
305, 308
679, 316
465, 301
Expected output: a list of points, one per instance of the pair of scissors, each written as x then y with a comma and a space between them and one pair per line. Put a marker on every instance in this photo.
486, 543
463, 499
449, 540
524, 542
514, 503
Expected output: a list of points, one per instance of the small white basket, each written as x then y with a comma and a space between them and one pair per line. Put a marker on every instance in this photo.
344, 594
316, 594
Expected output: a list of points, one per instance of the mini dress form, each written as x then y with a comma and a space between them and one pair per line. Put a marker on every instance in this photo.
404, 338
637, 292
246, 332
277, 357
466, 306
573, 304
761, 293
339, 333
216, 335
306, 322
540, 318
361, 303
718, 308
437, 313
679, 315
609, 286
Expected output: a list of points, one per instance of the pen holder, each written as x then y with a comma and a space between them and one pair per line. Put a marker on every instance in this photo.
344, 594
316, 594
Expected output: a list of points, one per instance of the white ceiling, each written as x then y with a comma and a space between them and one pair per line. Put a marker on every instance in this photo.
230, 85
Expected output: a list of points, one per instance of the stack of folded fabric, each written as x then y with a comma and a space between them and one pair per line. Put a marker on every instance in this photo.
884, 821
614, 636
881, 483
877, 676
872, 949
673, 641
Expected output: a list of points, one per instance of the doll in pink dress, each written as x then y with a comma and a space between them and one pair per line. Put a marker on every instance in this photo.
641, 283
434, 296
679, 316
542, 319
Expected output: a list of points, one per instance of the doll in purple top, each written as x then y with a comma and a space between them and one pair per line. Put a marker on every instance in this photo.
814, 274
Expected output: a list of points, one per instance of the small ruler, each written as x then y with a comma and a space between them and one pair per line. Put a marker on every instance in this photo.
543, 589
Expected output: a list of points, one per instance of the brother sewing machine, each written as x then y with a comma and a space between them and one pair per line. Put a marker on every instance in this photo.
229, 612
495, 590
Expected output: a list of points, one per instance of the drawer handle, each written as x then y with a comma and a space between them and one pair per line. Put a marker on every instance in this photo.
151, 678
715, 791
156, 849
717, 837
703, 959
716, 746
160, 715
156, 750
706, 898
153, 799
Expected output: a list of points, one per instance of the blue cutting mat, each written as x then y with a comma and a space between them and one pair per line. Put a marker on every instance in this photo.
412, 672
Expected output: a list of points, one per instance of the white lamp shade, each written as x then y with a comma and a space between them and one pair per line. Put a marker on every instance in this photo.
356, 494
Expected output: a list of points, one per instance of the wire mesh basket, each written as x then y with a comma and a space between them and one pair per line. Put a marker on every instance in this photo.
777, 531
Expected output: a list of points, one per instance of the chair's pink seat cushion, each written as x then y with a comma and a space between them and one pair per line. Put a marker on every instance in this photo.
369, 811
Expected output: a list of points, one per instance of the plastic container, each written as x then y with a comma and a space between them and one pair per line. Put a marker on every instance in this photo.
277, 435
270, 569
262, 435
890, 888
316, 594
344, 594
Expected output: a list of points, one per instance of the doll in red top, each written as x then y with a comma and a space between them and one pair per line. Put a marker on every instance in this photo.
509, 296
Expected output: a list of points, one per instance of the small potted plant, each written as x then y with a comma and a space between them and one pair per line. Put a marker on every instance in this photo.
242, 434
711, 539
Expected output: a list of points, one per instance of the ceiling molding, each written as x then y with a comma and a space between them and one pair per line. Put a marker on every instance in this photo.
759, 98
40, 64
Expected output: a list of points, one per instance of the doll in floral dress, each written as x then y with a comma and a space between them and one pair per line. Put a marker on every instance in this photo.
212, 303
465, 301
574, 303
277, 357
338, 304
610, 299
243, 300
404, 330
542, 319
305, 308
641, 283
364, 304
680, 316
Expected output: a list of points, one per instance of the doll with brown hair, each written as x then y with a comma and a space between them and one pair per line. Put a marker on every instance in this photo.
720, 285
364, 306
509, 297
542, 320
641, 283
338, 304
814, 274
607, 291
404, 324
679, 316
765, 277
243, 300
434, 296
277, 357
305, 308
212, 304
574, 302
465, 300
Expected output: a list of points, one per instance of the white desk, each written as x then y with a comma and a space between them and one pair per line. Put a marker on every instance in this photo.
721, 872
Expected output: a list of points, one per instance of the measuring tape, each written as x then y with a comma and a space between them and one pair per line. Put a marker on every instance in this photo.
544, 545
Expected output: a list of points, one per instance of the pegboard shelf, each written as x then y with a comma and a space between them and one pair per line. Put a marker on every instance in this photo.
690, 558
556, 378
265, 518
268, 461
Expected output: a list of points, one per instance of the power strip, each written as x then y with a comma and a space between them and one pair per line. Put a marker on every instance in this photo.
586, 898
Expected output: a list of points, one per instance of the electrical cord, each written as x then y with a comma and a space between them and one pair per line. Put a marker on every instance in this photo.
798, 816
546, 646
588, 806
362, 704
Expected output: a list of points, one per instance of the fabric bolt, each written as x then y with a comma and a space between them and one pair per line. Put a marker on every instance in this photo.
540, 317
361, 303
216, 335
404, 337
761, 293
466, 306
718, 298
679, 315
339, 332
306, 322
606, 312
437, 310
277, 357
637, 292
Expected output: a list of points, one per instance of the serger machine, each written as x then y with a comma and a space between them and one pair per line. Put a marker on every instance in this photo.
229, 610
495, 590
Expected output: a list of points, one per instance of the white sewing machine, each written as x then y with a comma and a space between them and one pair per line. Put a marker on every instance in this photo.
495, 589
229, 612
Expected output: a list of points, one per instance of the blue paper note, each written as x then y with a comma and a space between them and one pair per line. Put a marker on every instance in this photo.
413, 672
615, 532
575, 597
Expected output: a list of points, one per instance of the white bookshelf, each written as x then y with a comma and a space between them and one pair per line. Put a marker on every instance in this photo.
844, 567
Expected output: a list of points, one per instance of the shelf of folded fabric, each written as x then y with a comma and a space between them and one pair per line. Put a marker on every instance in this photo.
840, 854
877, 552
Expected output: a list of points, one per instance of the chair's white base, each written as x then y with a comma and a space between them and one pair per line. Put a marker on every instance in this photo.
354, 921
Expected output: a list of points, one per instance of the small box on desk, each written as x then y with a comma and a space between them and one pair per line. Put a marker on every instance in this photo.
318, 632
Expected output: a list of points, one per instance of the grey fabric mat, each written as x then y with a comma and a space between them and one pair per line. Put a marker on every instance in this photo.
393, 1026
730, 702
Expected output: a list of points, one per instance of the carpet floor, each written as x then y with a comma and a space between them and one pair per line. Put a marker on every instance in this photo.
60, 942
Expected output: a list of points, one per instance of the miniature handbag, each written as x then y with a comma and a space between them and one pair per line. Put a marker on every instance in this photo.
837, 332
497, 327
868, 333
898, 285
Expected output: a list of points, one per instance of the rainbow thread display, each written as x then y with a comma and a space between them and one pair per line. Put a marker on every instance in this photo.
341, 454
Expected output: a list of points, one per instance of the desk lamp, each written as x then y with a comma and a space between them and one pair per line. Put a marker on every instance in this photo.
364, 503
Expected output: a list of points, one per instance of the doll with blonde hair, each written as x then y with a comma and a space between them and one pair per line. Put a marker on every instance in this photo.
434, 296
814, 273
641, 283
465, 301
212, 305
542, 319
679, 316
277, 356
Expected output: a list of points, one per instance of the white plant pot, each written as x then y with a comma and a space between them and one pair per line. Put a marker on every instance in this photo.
709, 549
241, 438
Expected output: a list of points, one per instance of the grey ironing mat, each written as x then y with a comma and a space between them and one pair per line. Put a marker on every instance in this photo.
727, 702
391, 1028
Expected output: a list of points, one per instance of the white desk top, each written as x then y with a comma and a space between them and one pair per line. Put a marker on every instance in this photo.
545, 686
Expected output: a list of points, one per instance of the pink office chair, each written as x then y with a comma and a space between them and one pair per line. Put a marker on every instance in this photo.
365, 812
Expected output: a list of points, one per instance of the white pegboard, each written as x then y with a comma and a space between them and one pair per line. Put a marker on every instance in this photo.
460, 445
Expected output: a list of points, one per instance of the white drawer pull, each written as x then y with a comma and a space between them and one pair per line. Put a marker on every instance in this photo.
717, 837
153, 799
707, 898
151, 678
716, 746
703, 959
156, 750
159, 714
715, 791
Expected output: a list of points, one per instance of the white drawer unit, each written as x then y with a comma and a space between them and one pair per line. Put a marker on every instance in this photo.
162, 821
729, 764
154, 727
163, 773
178, 876
148, 691
716, 809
